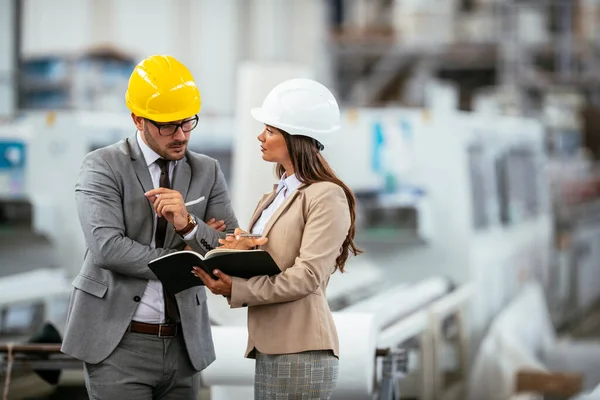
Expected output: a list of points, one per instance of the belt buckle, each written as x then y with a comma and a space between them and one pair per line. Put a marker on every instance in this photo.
160, 326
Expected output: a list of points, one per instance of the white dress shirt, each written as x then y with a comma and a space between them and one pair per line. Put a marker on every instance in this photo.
286, 187
151, 308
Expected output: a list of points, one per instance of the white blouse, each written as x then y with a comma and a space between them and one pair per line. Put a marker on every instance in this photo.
286, 187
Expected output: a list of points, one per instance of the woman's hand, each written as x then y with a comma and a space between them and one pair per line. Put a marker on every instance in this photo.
221, 286
241, 243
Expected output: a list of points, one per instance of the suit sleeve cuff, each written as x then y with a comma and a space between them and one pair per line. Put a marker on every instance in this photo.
191, 234
239, 293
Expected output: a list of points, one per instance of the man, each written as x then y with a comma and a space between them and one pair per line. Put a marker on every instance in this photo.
136, 341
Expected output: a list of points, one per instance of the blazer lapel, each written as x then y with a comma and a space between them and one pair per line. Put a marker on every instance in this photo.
264, 203
182, 176
140, 167
284, 206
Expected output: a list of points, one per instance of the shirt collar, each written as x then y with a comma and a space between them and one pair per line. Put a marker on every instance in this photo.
149, 155
291, 183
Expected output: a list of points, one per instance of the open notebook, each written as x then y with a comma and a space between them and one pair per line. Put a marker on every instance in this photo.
174, 270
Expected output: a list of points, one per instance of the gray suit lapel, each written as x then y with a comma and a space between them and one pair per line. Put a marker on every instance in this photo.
182, 177
140, 167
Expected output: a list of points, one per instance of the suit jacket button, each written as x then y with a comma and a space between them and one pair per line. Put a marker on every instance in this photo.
137, 299
245, 305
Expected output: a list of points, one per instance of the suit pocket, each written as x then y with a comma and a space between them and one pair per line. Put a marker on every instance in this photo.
197, 208
195, 201
90, 286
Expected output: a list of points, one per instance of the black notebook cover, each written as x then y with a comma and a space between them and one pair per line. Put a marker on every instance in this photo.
175, 270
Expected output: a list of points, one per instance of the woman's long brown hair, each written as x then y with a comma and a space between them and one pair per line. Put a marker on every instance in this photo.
310, 167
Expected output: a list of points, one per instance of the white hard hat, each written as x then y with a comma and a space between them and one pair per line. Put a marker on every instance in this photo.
301, 107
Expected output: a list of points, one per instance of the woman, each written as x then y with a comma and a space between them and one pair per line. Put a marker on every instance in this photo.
307, 225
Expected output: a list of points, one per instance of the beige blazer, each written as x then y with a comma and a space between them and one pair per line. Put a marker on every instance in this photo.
289, 313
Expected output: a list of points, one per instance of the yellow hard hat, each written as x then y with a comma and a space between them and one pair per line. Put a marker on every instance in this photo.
163, 90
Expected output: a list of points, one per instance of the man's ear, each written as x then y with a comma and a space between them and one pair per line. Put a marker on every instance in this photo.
138, 122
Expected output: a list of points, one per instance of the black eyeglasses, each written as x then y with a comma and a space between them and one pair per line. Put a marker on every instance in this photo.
170, 129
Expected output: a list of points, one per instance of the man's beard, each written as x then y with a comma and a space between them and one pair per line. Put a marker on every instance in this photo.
162, 152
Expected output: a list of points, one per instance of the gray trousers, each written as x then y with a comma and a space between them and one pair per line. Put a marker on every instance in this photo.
144, 367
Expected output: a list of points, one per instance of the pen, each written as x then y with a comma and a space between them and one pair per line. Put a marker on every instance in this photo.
190, 203
246, 235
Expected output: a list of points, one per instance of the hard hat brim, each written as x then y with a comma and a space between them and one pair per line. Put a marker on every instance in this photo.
261, 115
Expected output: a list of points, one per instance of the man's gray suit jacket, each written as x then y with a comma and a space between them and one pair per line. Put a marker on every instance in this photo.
118, 222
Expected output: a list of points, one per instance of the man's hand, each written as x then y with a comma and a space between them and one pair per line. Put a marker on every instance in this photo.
241, 243
218, 225
221, 286
169, 203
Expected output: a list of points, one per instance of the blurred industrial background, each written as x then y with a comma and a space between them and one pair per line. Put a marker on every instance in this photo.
471, 139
